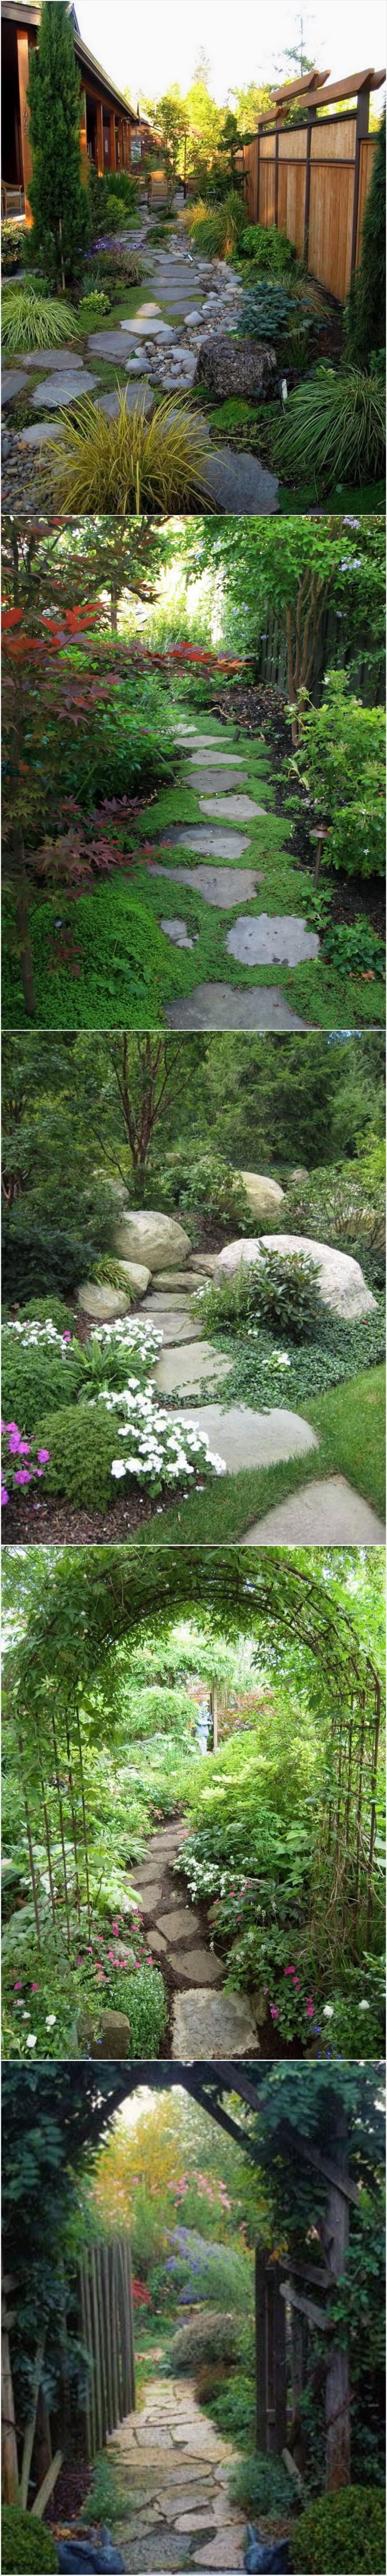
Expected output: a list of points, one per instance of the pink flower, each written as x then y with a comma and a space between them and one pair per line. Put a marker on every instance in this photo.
18, 1981
44, 1455
4, 1495
34, 1990
274, 2009
289, 1972
22, 1476
309, 2009
66, 1337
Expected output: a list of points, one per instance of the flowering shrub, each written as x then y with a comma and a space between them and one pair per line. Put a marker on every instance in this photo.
14, 1448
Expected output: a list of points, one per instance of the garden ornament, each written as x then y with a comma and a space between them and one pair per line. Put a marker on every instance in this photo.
98, 2554
263, 2560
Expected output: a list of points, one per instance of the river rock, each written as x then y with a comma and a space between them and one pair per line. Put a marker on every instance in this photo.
229, 366
144, 1235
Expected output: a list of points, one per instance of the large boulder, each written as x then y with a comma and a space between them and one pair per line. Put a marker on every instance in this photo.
264, 1196
157, 1241
228, 366
341, 1282
135, 1278
102, 1305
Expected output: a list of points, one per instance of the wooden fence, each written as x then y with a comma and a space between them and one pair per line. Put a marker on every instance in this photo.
106, 2318
270, 656
312, 181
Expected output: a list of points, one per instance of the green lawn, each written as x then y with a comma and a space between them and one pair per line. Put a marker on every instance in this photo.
350, 1426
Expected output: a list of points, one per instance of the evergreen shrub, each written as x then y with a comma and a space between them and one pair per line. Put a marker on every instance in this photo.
25, 2542
344, 2531
60, 205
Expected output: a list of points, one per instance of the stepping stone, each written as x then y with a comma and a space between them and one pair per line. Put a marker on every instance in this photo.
244, 1438
55, 395
215, 759
326, 1513
208, 843
199, 742
178, 1328
107, 344
196, 2521
177, 931
150, 1897
145, 311
219, 886
202, 779
199, 1964
135, 395
38, 430
148, 330
271, 940
59, 359
220, 1006
222, 2552
213, 2026
184, 1370
12, 383
180, 1924
240, 484
171, 1279
236, 809
158, 1944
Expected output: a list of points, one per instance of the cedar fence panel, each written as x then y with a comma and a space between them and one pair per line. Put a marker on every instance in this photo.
312, 180
106, 2325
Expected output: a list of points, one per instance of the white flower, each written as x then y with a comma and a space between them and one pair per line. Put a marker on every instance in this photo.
118, 1468
32, 2038
364, 2007
50, 2019
328, 2011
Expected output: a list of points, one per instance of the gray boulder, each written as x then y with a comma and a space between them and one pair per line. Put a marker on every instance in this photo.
229, 366
146, 1236
264, 1196
110, 2037
340, 1279
102, 1305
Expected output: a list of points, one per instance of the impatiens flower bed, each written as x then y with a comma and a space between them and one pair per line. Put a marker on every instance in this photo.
89, 1978
161, 1452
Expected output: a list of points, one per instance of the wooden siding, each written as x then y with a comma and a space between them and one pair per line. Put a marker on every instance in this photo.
332, 192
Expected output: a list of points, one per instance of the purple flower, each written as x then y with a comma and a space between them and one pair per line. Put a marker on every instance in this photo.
22, 1476
4, 1495
43, 1456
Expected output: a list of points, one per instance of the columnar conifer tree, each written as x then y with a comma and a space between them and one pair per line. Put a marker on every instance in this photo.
58, 198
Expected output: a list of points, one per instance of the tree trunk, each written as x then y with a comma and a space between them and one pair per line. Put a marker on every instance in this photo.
337, 2388
23, 926
9, 2458
214, 1715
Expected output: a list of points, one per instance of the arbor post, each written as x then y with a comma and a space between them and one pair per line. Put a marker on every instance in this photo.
270, 2356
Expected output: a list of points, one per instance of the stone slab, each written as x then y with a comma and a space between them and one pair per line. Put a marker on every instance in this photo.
193, 741
221, 887
199, 1964
325, 1513
244, 1438
208, 843
223, 2552
171, 1279
202, 778
234, 809
158, 1944
137, 396
148, 311
38, 430
107, 344
222, 1006
240, 484
213, 2026
271, 940
54, 394
176, 930
150, 1897
148, 330
183, 1370
58, 359
180, 1923
214, 759
12, 383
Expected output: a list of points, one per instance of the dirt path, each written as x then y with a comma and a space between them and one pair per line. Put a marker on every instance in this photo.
177, 2467
205, 2021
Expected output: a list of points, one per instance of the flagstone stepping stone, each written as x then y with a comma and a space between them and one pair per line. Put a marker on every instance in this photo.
215, 759
171, 1279
208, 843
69, 389
224, 2552
38, 430
58, 359
136, 395
107, 344
148, 330
221, 887
215, 2026
244, 1438
150, 1897
240, 484
145, 310
202, 778
199, 742
325, 1513
186, 1368
12, 383
198, 1964
235, 809
182, 1922
271, 940
220, 1006
176, 930
158, 1943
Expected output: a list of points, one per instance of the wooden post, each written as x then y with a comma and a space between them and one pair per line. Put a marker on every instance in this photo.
270, 2356
362, 124
113, 2335
83, 136
337, 2388
90, 2349
311, 120
100, 160
107, 2339
276, 175
112, 163
256, 216
23, 73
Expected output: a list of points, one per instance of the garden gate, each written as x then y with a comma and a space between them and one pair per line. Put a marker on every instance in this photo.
106, 2317
312, 179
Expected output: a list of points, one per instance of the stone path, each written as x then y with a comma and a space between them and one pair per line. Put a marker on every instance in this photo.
177, 1931
182, 300
227, 796
177, 2468
326, 1511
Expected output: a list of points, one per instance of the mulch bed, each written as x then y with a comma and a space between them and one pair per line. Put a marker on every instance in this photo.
59, 1524
262, 711
69, 2494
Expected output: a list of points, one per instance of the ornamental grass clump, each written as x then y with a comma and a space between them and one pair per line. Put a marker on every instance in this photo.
131, 463
35, 321
333, 430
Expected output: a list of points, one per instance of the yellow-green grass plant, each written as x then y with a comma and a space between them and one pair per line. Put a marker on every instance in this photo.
33, 321
333, 427
131, 463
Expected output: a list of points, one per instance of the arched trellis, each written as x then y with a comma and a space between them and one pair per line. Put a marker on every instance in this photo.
98, 1596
